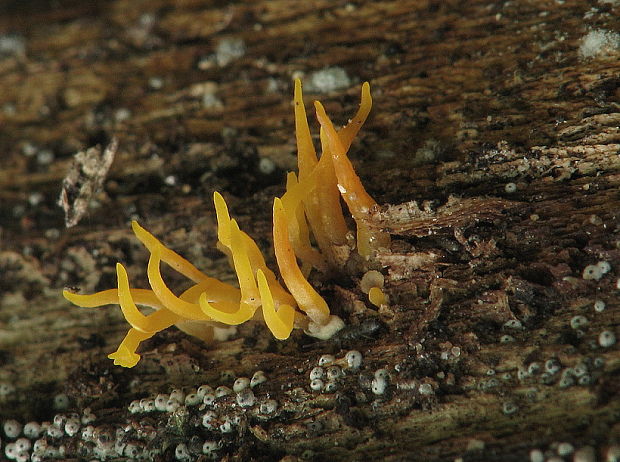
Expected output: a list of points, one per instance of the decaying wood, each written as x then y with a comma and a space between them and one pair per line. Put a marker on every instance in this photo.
493, 147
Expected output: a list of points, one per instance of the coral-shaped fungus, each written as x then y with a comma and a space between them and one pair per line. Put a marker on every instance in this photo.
310, 207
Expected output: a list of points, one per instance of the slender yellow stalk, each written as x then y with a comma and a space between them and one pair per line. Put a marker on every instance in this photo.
168, 256
164, 294
306, 297
154, 323
280, 323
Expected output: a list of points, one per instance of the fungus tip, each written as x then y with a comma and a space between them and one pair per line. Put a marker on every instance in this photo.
377, 297
123, 357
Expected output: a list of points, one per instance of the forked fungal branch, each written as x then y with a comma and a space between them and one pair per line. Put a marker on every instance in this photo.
310, 210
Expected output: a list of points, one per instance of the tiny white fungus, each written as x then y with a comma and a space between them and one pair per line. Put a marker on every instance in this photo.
147, 405
266, 166
72, 427
88, 434
257, 378
592, 272
59, 420
32, 430
316, 385
10, 451
565, 449
522, 374
426, 389
23, 444
382, 374
536, 455
172, 405
54, 432
584, 380
606, 339
241, 384
604, 266
192, 399
330, 387
228, 50
203, 390
61, 402
181, 452
177, 395
378, 385
210, 447
577, 322
268, 407
513, 324
580, 369
160, 402
208, 419
156, 83
226, 427
327, 80
552, 366
208, 399
246, 398
534, 368
222, 390
317, 373
509, 408
334, 372
354, 359
510, 188
12, 428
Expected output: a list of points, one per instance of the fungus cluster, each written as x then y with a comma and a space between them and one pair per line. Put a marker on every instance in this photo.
308, 225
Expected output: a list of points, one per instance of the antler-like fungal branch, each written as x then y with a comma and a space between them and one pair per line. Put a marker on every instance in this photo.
310, 208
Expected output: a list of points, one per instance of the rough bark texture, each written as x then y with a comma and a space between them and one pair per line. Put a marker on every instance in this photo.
499, 119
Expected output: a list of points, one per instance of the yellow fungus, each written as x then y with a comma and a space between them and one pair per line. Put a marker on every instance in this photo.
306, 154
298, 227
170, 257
347, 133
281, 322
223, 219
156, 322
321, 206
304, 294
126, 355
108, 297
309, 214
164, 294
350, 186
227, 313
377, 297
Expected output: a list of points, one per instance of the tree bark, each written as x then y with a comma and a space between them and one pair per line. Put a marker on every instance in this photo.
493, 148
